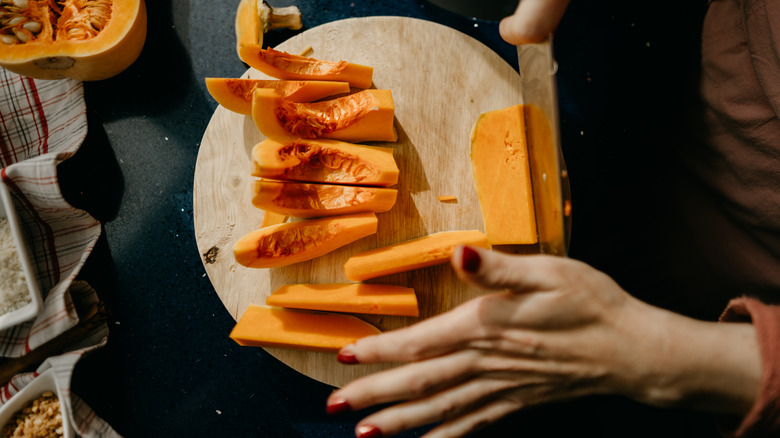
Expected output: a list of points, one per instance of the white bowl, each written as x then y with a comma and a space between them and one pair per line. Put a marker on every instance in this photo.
44, 382
31, 309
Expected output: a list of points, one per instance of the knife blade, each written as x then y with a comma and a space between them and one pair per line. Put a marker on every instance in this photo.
549, 178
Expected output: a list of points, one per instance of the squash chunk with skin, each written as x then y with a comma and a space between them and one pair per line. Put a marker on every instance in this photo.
367, 115
377, 299
262, 326
325, 161
499, 158
283, 65
86, 41
254, 18
433, 249
306, 200
285, 244
236, 94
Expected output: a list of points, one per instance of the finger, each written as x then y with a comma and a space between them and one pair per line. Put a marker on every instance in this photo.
496, 270
435, 336
532, 21
475, 420
441, 406
407, 382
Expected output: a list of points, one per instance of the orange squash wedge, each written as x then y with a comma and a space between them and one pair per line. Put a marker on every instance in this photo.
262, 326
254, 18
283, 65
433, 249
367, 115
499, 158
378, 299
74, 39
326, 161
304, 200
236, 94
271, 218
285, 244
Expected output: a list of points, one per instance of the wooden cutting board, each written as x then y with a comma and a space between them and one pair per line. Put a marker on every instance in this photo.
441, 80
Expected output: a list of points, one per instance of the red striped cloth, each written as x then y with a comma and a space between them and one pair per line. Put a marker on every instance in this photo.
43, 123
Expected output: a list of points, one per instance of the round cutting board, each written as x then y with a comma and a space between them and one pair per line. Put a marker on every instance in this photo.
441, 80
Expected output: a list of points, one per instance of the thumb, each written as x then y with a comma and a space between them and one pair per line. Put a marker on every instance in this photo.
496, 270
532, 21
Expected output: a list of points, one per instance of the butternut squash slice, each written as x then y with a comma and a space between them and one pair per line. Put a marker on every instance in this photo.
75, 39
236, 94
285, 244
377, 299
283, 65
262, 326
433, 249
305, 200
325, 161
254, 18
367, 115
271, 218
499, 158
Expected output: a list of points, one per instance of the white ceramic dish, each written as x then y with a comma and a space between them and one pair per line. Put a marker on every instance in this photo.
42, 383
31, 309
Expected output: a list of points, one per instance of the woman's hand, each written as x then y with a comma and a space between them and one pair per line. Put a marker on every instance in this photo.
560, 329
532, 21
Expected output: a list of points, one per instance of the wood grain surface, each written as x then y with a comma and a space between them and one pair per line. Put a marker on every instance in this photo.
441, 80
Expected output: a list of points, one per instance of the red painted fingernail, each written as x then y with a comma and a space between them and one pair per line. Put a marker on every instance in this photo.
346, 357
470, 260
338, 406
368, 431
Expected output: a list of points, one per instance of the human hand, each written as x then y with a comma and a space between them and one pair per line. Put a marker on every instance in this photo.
559, 330
532, 21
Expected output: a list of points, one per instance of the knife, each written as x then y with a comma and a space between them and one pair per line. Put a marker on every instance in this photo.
549, 178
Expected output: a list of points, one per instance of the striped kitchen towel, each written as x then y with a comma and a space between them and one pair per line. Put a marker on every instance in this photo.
43, 123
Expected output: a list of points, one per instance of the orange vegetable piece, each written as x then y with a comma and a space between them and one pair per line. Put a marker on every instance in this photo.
367, 115
327, 161
378, 299
283, 65
271, 218
499, 158
285, 244
433, 249
262, 326
236, 94
317, 200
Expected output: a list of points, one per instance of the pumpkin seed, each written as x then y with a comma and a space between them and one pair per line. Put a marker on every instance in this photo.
21, 4
8, 39
33, 26
23, 35
15, 20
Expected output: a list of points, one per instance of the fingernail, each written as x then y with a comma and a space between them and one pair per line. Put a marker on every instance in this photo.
338, 406
346, 357
368, 431
470, 260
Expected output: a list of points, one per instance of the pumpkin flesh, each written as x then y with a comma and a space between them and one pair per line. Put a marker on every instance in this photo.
367, 115
263, 326
433, 249
285, 244
236, 94
304, 200
324, 161
71, 38
377, 299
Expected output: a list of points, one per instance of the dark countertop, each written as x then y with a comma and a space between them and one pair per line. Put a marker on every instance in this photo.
169, 368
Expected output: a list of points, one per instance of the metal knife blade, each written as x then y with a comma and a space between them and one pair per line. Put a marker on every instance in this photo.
549, 179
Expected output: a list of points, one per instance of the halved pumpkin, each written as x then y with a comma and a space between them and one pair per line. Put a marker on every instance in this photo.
263, 326
433, 249
283, 65
285, 244
306, 200
377, 299
256, 17
48, 39
326, 161
236, 94
367, 115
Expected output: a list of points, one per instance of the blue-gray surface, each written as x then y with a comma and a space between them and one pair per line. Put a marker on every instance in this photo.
169, 368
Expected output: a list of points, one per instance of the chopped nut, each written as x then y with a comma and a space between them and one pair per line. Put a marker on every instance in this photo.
40, 418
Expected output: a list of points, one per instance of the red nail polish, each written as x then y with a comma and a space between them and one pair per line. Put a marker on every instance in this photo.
346, 357
368, 431
338, 406
470, 260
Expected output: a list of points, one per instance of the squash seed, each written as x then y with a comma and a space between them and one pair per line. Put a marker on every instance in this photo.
33, 26
8, 39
